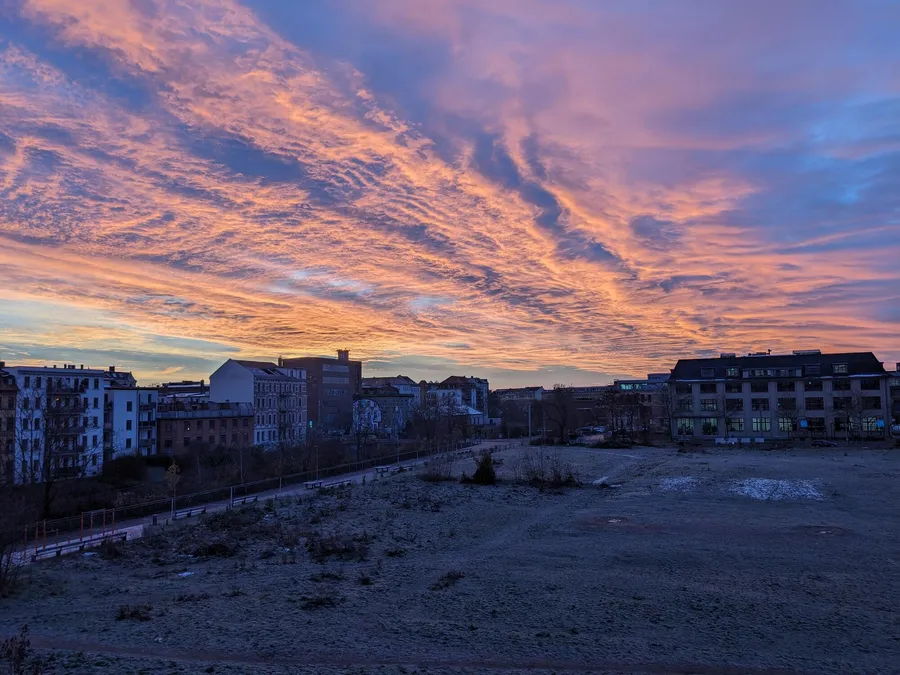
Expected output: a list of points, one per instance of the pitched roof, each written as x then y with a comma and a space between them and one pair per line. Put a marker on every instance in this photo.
858, 363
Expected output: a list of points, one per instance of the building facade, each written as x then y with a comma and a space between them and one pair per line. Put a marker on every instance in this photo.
520, 395
395, 410
278, 395
331, 386
471, 392
58, 422
806, 394
194, 390
129, 421
8, 397
193, 425
403, 384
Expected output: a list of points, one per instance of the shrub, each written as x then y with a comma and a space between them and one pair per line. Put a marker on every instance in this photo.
545, 470
215, 549
485, 471
233, 520
447, 580
109, 549
340, 546
134, 613
16, 652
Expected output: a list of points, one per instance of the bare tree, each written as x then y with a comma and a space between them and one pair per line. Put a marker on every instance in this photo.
57, 439
558, 406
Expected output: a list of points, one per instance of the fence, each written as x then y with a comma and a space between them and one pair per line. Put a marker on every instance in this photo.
91, 523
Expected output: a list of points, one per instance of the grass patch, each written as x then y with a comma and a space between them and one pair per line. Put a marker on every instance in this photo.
447, 580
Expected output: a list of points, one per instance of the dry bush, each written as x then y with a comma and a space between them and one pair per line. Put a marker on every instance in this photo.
110, 549
134, 613
215, 549
233, 521
437, 470
341, 546
17, 653
545, 470
447, 580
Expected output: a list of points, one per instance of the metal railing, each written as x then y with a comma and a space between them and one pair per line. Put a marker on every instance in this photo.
90, 522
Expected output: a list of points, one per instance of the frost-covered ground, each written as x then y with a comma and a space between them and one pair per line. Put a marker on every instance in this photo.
728, 561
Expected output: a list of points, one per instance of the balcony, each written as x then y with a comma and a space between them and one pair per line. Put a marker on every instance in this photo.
144, 407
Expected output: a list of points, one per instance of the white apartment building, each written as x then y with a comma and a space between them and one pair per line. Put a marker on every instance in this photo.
403, 384
58, 422
278, 395
130, 421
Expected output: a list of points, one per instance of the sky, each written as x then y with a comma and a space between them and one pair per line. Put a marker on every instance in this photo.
535, 191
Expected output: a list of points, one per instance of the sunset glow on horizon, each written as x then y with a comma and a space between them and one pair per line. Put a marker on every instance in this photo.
533, 191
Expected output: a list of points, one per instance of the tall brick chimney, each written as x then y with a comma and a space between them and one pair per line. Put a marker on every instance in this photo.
343, 354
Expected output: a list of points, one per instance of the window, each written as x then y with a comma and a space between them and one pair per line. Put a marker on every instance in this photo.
759, 387
704, 372
27, 381
840, 385
683, 389
736, 424
815, 403
187, 425
127, 425
212, 424
787, 404
734, 404
786, 424
199, 425
685, 405
187, 441
762, 424
787, 386
759, 372
709, 404
870, 424
839, 369
841, 403
813, 385
733, 387
128, 406
708, 388
234, 422
813, 369
869, 384
246, 422
96, 383
871, 402
222, 439
167, 444
26, 402
127, 443
96, 402
732, 371
212, 440
234, 438
759, 404
816, 424
710, 426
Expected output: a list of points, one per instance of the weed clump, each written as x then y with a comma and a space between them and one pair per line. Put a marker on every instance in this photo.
485, 471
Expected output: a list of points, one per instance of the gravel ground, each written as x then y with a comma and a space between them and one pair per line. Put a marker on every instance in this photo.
727, 561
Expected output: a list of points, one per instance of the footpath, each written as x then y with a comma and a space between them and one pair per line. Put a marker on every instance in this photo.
128, 530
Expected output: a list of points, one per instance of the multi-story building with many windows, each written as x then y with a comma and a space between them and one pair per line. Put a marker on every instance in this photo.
129, 415
331, 385
806, 394
58, 422
277, 394
197, 425
8, 397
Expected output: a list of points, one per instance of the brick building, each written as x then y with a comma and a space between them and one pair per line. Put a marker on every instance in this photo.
331, 385
187, 425
806, 394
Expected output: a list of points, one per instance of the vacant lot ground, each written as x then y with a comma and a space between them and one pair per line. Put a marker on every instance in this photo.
726, 561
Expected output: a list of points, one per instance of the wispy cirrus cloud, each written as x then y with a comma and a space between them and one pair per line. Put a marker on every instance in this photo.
515, 186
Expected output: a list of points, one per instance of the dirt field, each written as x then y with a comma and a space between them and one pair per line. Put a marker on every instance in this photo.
728, 561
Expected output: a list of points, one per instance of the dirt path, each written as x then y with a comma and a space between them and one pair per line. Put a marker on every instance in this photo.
318, 661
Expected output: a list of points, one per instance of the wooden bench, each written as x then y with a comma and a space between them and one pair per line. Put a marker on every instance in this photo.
313, 484
340, 483
382, 470
240, 501
187, 513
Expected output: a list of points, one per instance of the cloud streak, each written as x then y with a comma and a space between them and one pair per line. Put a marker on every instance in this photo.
520, 186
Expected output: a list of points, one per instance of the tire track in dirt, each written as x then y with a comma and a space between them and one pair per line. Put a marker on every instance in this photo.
319, 661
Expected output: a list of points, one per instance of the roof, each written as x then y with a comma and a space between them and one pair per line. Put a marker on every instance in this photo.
858, 363
459, 379
265, 369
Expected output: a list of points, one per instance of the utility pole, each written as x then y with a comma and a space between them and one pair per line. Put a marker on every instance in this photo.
529, 421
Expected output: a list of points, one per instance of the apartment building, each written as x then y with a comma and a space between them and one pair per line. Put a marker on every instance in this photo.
404, 385
805, 394
394, 409
278, 395
129, 420
471, 392
8, 396
185, 390
522, 395
192, 425
58, 421
331, 386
